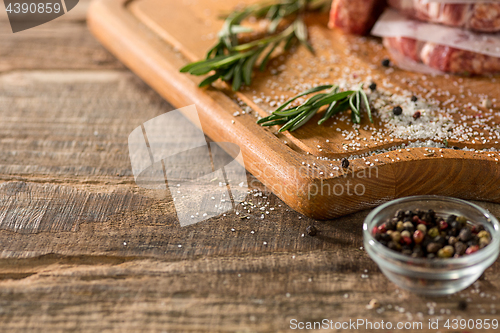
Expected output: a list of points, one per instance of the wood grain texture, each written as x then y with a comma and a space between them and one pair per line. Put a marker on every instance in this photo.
261, 294
32, 208
82, 122
145, 35
64, 43
127, 273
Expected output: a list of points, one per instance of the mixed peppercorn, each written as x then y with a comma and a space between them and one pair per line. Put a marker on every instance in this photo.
424, 234
397, 110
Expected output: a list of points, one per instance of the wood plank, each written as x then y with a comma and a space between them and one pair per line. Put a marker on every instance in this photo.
32, 208
64, 43
145, 36
71, 125
259, 294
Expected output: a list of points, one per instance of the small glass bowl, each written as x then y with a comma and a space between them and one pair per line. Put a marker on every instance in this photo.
432, 276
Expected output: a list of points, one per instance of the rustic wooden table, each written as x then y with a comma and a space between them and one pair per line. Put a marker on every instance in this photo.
84, 249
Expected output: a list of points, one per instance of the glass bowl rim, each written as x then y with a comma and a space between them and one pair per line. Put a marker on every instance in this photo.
491, 249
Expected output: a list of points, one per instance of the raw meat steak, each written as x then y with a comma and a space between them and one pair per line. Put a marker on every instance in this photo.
480, 16
443, 58
355, 16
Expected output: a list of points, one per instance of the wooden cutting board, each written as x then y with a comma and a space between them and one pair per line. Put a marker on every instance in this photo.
155, 38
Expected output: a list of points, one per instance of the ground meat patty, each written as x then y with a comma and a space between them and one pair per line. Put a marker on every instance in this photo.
443, 58
480, 16
355, 16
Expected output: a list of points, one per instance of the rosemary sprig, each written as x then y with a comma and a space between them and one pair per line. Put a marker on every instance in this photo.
233, 62
295, 117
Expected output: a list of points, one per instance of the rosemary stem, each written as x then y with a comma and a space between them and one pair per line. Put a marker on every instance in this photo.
268, 40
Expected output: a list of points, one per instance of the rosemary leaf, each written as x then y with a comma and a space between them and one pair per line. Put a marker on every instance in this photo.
288, 112
210, 80
213, 50
229, 74
276, 122
272, 11
328, 114
295, 117
307, 92
224, 57
358, 101
192, 65
237, 79
367, 104
301, 33
334, 98
239, 29
269, 118
263, 63
355, 116
333, 109
248, 66
304, 119
274, 25
290, 123
289, 42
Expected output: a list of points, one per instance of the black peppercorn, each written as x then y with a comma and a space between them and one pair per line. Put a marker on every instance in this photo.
429, 217
394, 246
433, 247
397, 110
440, 240
386, 237
460, 248
453, 232
391, 225
345, 163
414, 98
311, 230
465, 235
386, 62
473, 241
427, 240
462, 305
451, 218
384, 243
373, 86
418, 234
